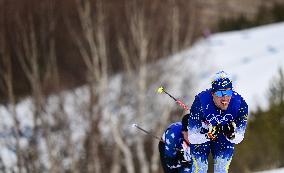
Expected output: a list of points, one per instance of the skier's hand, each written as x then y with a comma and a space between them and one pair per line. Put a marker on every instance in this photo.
183, 155
186, 152
229, 130
179, 156
213, 132
204, 127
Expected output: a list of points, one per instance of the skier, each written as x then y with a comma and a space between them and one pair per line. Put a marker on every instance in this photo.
174, 148
217, 120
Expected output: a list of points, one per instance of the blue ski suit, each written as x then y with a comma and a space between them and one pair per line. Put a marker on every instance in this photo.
204, 110
170, 147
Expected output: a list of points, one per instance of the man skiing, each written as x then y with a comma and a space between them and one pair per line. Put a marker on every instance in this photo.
174, 148
217, 120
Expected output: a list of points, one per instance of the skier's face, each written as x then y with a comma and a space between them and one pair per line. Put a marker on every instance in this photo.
222, 100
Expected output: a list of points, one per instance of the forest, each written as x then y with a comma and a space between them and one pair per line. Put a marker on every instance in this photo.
49, 47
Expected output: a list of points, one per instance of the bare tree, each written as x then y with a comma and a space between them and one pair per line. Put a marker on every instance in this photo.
141, 40
93, 51
7, 80
31, 50
142, 37
8, 86
116, 164
175, 19
160, 127
32, 73
122, 145
35, 48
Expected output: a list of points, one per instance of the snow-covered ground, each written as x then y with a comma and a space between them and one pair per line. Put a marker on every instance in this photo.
252, 57
281, 170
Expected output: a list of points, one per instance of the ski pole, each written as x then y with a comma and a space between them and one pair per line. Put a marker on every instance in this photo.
152, 135
147, 132
161, 90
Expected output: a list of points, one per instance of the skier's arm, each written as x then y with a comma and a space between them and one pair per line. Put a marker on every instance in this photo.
194, 124
241, 123
171, 158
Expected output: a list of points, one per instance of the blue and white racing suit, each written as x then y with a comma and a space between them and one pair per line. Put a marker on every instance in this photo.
204, 111
169, 150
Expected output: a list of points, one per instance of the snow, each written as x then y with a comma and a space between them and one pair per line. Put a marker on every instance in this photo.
281, 170
251, 57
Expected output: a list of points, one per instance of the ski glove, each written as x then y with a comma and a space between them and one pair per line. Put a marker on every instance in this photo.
229, 130
172, 162
183, 155
186, 152
213, 131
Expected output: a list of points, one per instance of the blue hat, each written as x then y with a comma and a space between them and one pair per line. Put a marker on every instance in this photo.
221, 81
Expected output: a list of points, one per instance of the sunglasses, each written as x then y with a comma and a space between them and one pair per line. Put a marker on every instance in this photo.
223, 93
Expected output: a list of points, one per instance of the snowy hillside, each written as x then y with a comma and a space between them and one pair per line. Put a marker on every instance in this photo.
251, 56
273, 171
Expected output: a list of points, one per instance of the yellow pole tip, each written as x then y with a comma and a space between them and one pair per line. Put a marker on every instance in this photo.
160, 90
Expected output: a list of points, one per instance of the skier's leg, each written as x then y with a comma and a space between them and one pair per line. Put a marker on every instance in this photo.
222, 156
163, 161
200, 154
185, 167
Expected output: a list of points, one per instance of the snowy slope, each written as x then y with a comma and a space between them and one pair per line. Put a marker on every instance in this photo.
273, 171
251, 56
